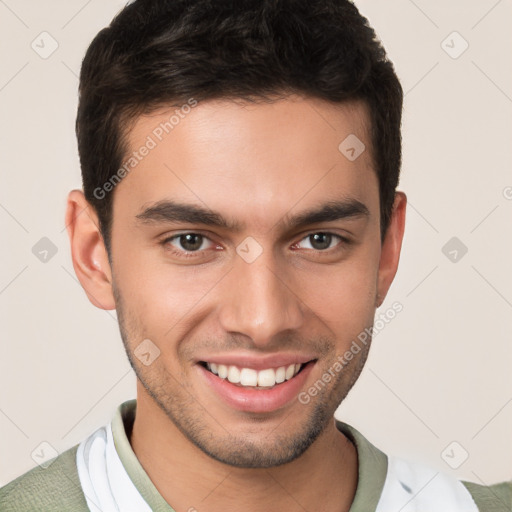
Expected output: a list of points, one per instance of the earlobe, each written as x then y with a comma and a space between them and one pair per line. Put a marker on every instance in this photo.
88, 252
391, 247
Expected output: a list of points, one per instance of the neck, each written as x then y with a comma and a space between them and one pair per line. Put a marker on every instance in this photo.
188, 479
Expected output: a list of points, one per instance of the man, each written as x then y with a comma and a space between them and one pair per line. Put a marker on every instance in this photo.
240, 163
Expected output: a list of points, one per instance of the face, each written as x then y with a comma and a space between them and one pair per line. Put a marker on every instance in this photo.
246, 248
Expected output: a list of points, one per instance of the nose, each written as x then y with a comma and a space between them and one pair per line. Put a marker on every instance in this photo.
259, 301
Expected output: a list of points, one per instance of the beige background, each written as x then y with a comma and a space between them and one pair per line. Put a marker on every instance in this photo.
438, 373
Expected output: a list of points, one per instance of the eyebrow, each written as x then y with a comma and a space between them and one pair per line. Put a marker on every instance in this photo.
169, 211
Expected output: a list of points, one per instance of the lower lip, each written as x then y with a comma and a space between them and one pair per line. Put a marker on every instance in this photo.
254, 400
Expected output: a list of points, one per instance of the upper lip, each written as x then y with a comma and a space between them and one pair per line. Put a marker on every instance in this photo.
260, 362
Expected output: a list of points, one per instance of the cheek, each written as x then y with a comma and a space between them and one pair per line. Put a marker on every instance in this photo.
343, 296
163, 296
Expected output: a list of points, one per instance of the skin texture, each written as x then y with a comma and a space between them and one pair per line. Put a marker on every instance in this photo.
257, 164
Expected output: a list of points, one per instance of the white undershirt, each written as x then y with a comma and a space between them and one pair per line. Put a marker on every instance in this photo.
409, 487
104, 480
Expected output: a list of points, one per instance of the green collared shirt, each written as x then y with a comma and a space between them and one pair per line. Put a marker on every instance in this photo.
57, 488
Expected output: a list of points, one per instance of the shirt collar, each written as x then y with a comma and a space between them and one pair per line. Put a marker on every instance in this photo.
372, 463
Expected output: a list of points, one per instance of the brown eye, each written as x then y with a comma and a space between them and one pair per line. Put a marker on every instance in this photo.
321, 241
190, 241
186, 244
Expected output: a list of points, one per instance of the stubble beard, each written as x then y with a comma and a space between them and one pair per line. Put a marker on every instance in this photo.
238, 449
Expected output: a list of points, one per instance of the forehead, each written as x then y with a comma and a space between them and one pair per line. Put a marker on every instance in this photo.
256, 162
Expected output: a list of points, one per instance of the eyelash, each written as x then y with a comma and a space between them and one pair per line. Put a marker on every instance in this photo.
192, 254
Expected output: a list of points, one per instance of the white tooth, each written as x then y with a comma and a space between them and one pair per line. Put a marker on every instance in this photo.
233, 374
280, 374
290, 370
266, 377
213, 367
297, 368
248, 377
223, 371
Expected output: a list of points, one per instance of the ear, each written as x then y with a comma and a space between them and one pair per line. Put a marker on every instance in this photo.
88, 252
391, 246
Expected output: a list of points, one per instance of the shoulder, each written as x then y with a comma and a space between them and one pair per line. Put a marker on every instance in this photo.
56, 487
491, 498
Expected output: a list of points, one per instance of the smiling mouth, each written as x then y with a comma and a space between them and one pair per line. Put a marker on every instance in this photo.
267, 378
